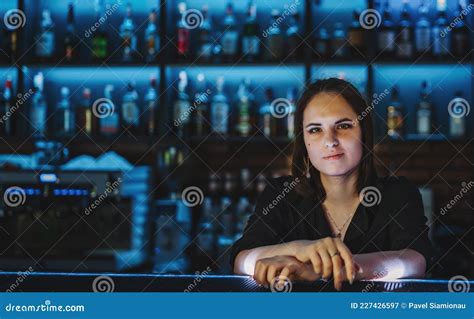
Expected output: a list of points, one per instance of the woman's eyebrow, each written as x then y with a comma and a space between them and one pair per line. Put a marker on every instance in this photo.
337, 122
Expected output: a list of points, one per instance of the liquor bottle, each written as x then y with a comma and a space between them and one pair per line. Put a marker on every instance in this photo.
220, 109
322, 45
39, 109
110, 121
181, 107
201, 114
129, 39
99, 37
289, 119
250, 39
386, 34
130, 110
423, 31
84, 116
151, 104
395, 116
460, 34
204, 47
44, 47
183, 42
71, 43
268, 122
357, 36
152, 40
457, 125
441, 44
64, 117
338, 41
6, 113
244, 109
273, 48
424, 111
293, 37
230, 35
405, 37
206, 231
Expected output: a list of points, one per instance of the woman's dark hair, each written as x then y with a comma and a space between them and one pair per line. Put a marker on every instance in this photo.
301, 166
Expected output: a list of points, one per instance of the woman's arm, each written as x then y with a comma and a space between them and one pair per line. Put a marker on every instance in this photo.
245, 261
387, 265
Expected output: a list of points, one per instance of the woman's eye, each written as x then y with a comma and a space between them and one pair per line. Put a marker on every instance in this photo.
344, 126
314, 130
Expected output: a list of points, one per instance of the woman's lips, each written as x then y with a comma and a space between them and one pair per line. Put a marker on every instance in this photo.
334, 157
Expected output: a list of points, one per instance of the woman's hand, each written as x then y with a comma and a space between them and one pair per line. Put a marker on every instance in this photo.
329, 257
268, 269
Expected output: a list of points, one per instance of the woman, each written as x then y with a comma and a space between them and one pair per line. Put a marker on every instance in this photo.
333, 217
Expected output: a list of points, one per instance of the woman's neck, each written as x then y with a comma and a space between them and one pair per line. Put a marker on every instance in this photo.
340, 189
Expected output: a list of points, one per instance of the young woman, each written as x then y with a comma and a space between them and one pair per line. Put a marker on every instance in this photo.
334, 218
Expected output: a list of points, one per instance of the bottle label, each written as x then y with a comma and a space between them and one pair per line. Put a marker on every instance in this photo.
229, 42
386, 40
130, 113
250, 45
422, 36
45, 45
220, 117
424, 121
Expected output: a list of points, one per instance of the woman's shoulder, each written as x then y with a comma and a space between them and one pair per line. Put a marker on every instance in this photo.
398, 186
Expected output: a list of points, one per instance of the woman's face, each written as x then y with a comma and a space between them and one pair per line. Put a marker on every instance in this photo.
330, 128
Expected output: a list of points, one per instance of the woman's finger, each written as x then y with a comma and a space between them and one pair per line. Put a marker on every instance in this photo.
272, 273
327, 263
348, 259
317, 263
287, 273
337, 271
260, 271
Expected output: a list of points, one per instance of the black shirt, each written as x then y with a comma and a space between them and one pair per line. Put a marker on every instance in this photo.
394, 222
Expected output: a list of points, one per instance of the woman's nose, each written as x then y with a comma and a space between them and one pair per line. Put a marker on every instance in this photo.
331, 140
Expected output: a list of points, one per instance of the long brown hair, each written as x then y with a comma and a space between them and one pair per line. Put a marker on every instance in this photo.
301, 166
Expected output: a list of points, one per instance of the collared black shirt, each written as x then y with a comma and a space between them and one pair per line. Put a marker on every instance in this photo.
394, 221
